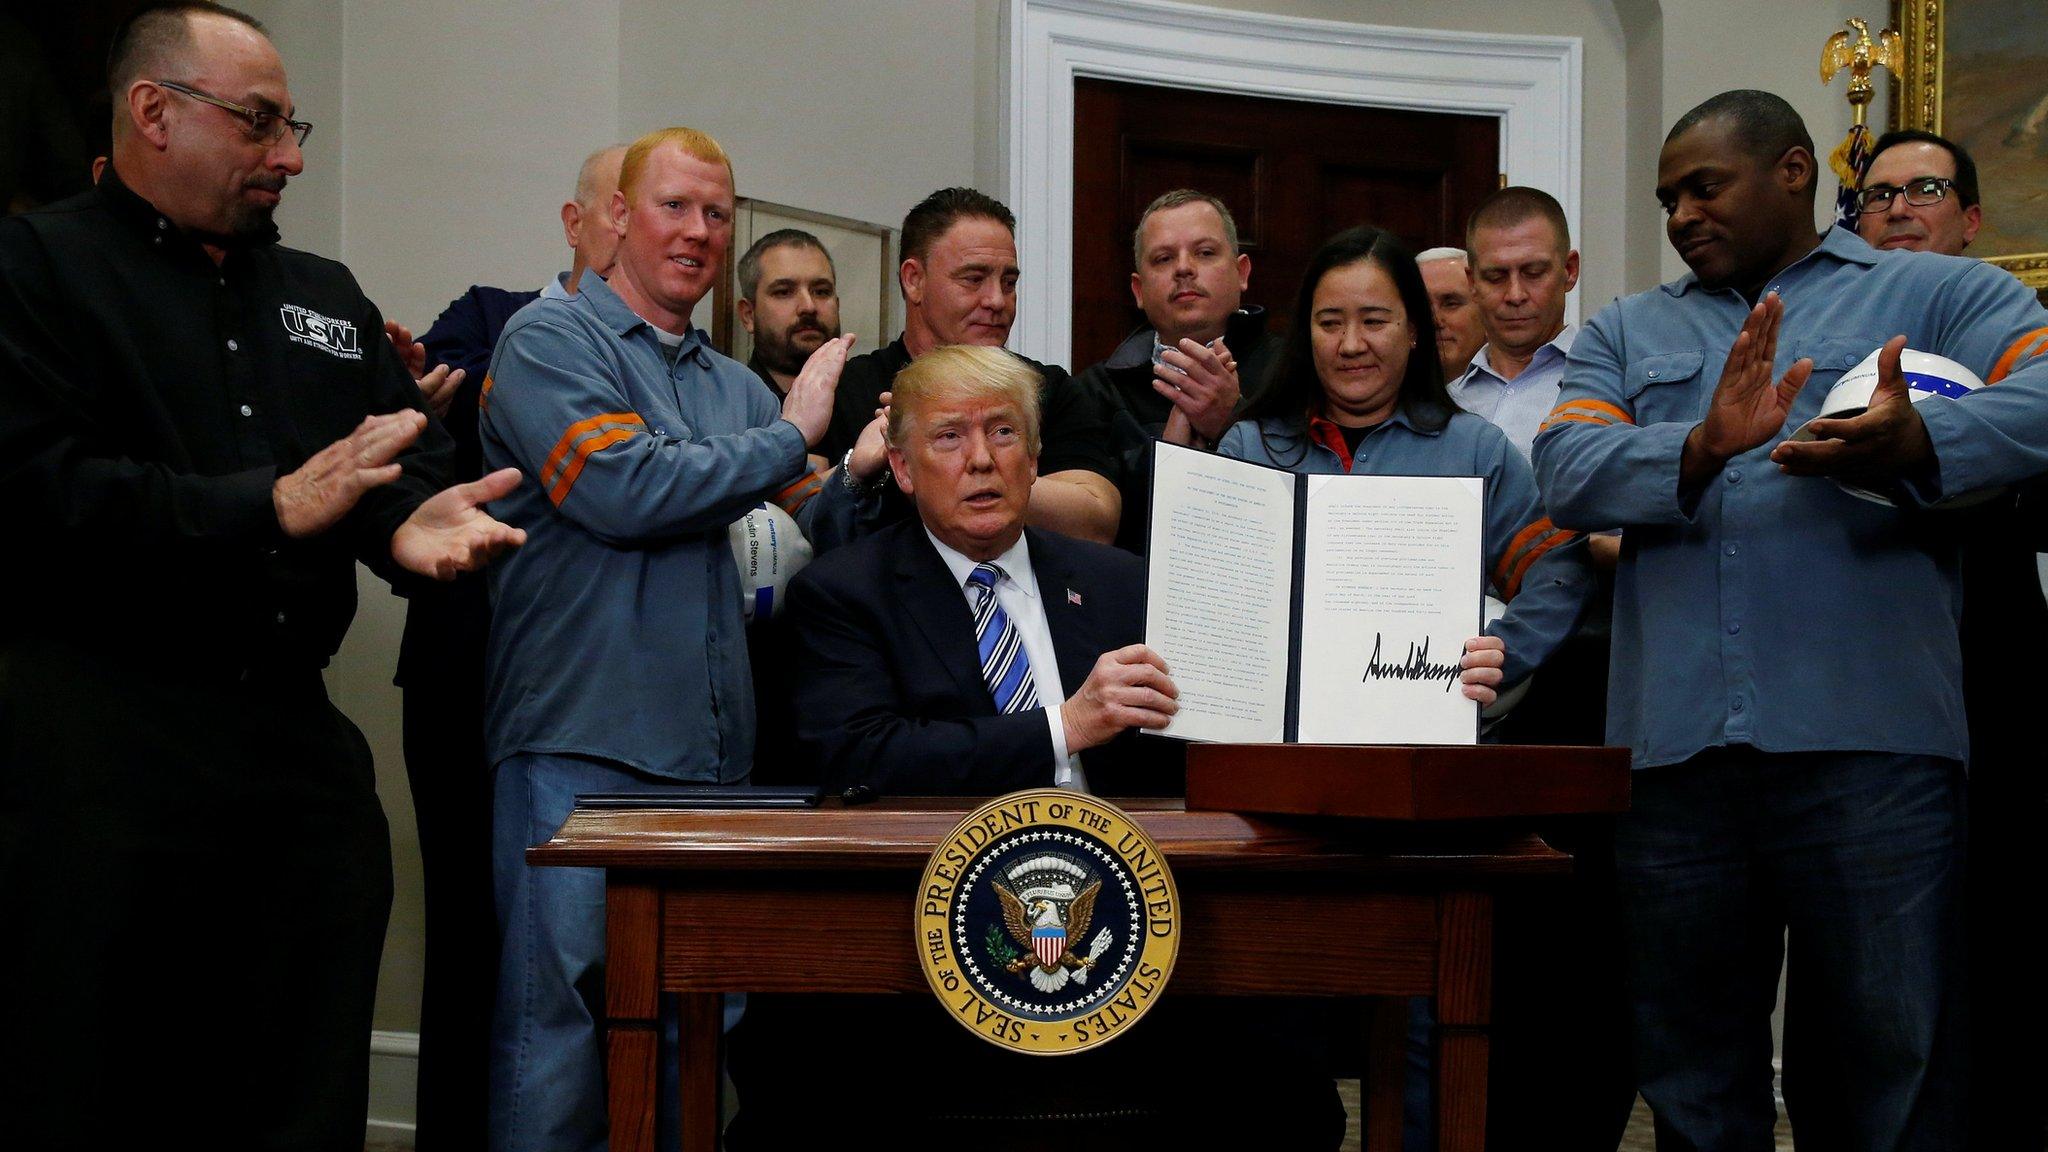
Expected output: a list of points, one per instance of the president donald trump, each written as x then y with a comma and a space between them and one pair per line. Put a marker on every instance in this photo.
961, 653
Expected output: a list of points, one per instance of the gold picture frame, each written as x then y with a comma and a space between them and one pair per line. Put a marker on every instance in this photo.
1923, 98
863, 254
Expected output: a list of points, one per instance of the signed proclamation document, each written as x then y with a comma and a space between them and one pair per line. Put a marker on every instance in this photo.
1314, 609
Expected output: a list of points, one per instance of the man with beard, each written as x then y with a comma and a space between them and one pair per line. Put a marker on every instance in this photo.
789, 303
204, 432
1801, 797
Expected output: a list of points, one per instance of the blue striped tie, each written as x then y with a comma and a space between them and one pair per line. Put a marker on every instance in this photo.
1004, 666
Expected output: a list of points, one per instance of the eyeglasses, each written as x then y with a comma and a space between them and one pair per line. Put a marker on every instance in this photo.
264, 127
1919, 193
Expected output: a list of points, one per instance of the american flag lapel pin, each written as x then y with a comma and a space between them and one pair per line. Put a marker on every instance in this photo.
1073, 598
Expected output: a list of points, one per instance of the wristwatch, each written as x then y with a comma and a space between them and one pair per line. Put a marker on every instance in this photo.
853, 483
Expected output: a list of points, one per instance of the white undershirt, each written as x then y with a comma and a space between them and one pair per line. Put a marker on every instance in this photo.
1017, 593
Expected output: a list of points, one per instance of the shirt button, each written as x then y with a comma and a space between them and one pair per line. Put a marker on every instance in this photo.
234, 347
1735, 705
248, 411
1731, 549
1735, 476
1735, 629
162, 225
1653, 373
280, 620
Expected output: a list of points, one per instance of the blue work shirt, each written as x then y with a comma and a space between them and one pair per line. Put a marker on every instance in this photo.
1542, 574
1773, 610
616, 631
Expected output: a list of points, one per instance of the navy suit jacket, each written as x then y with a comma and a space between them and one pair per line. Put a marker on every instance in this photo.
888, 682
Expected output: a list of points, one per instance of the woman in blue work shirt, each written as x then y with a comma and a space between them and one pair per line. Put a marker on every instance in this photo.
1349, 395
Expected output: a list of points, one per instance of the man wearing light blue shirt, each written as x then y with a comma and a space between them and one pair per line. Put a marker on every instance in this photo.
1786, 666
1523, 267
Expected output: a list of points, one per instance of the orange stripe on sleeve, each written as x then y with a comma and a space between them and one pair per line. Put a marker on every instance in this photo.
1593, 406
1513, 586
560, 491
2024, 348
799, 493
1523, 539
483, 395
578, 431
1576, 418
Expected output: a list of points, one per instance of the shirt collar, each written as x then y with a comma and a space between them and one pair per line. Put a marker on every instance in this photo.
1837, 244
1015, 563
598, 295
1330, 435
558, 288
1243, 326
1483, 362
124, 204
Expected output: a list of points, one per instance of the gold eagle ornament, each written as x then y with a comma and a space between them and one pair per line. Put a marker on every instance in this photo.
1861, 55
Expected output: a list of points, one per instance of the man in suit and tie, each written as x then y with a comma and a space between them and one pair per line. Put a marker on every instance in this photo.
961, 653
964, 654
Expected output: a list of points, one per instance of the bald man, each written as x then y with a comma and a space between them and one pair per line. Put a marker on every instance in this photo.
208, 430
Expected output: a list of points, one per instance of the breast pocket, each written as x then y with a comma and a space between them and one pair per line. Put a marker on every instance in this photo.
1667, 388
1831, 358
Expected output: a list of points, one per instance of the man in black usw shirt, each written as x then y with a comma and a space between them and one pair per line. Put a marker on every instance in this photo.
200, 433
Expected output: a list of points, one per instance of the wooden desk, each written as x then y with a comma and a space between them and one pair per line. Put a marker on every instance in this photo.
706, 902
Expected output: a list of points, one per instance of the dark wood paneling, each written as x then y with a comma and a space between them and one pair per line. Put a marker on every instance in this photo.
1408, 782
841, 935
1293, 173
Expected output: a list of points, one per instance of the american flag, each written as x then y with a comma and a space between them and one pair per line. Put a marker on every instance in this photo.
1850, 161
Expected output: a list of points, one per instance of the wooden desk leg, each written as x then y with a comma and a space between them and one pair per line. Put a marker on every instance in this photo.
632, 929
1464, 1013
702, 1024
1386, 1072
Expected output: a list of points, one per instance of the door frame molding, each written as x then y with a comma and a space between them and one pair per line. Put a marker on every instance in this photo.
1532, 84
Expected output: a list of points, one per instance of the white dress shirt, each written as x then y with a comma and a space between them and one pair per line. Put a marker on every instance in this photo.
1017, 593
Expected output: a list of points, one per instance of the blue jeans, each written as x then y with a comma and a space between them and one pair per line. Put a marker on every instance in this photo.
1852, 860
547, 1054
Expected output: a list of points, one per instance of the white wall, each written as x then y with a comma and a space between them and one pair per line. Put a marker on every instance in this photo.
449, 132
1770, 44
856, 111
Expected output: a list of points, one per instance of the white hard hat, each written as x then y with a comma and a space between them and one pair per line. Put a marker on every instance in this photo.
1928, 378
769, 549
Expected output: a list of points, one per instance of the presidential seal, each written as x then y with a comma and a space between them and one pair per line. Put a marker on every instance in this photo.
1047, 922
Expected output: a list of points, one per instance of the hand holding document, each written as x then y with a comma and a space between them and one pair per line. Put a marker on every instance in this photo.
1318, 609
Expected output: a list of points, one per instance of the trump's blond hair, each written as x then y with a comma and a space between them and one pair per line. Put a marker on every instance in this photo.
964, 372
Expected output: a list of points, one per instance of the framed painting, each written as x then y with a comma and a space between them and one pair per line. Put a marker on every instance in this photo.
1976, 71
863, 257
